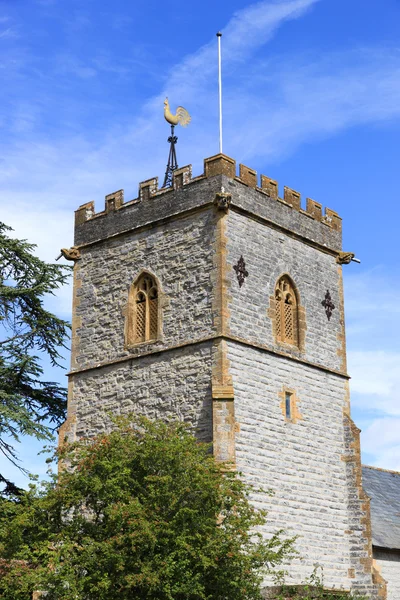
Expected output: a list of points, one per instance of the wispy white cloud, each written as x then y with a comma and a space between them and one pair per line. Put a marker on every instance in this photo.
74, 166
104, 64
373, 331
49, 230
66, 170
376, 380
381, 440
8, 33
371, 312
271, 107
247, 30
308, 99
286, 102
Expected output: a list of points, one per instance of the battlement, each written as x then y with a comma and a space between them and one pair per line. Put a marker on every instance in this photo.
149, 194
215, 165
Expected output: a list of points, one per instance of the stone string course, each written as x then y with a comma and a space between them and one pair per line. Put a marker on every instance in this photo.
229, 391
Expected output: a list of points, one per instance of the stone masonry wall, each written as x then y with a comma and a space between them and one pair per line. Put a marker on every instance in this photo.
305, 460
190, 241
142, 211
187, 193
286, 213
389, 565
268, 254
359, 524
178, 253
168, 385
300, 461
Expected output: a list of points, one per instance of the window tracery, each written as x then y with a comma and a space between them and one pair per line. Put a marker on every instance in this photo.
143, 315
286, 312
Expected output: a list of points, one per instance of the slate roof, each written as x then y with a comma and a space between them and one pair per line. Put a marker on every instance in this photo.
383, 487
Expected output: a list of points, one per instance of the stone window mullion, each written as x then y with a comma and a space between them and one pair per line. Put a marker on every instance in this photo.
147, 322
286, 312
141, 316
143, 311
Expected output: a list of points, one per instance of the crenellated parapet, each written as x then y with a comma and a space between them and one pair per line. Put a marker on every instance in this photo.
151, 199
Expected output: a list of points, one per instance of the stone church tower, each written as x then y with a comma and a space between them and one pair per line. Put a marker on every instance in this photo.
217, 302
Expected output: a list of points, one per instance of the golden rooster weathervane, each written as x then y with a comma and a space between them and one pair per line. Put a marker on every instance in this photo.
183, 118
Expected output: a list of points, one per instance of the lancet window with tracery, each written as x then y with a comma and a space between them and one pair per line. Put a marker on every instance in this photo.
143, 319
286, 312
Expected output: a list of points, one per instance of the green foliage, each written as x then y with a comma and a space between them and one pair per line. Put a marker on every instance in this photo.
26, 328
144, 512
313, 589
316, 593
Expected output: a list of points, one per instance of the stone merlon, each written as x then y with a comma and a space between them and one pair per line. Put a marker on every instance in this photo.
263, 202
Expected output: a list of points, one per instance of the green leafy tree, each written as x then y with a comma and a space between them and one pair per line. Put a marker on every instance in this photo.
28, 405
144, 512
313, 589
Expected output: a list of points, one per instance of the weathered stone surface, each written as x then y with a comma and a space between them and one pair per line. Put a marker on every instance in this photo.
301, 462
217, 357
199, 192
179, 254
283, 215
268, 255
139, 213
389, 564
171, 385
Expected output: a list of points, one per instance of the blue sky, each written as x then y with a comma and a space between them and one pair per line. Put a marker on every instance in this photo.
311, 98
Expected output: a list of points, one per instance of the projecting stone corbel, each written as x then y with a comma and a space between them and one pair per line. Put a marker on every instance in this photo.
70, 253
222, 201
344, 258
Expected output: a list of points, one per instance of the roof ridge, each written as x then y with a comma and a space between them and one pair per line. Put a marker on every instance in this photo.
380, 469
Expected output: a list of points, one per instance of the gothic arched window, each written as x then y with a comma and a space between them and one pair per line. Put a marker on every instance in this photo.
143, 325
286, 312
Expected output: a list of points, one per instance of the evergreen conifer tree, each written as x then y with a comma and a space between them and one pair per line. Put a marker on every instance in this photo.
28, 332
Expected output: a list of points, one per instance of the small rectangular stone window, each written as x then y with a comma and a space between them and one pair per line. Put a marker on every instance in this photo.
288, 405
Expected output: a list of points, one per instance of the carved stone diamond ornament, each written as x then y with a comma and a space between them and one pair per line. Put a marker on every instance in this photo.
241, 272
328, 305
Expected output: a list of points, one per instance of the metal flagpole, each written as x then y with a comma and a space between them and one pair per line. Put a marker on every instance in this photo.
219, 35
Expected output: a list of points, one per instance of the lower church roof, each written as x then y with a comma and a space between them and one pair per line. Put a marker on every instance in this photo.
383, 487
